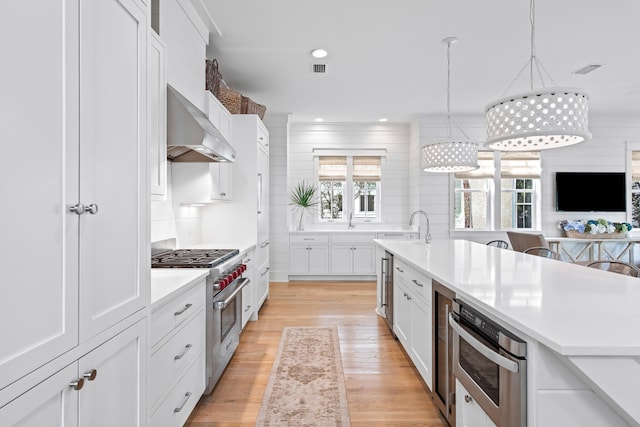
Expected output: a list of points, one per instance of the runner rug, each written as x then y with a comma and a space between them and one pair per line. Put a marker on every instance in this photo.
306, 386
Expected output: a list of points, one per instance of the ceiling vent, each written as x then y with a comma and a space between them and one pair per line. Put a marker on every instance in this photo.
587, 69
319, 68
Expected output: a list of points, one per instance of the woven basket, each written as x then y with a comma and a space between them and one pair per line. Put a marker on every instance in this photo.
213, 77
251, 107
577, 235
231, 99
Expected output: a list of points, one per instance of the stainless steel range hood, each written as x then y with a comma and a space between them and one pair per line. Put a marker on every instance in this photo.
191, 137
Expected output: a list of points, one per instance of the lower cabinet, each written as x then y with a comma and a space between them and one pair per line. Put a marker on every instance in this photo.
353, 259
249, 291
177, 363
412, 317
106, 387
468, 412
262, 276
309, 259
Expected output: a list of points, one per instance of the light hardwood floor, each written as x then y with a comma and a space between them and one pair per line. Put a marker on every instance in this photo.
383, 387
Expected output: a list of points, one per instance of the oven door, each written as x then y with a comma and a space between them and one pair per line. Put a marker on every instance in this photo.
225, 328
493, 377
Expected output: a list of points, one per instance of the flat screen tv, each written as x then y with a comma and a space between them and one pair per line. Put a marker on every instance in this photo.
591, 192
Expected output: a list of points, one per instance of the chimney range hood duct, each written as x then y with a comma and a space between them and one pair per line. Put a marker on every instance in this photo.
191, 137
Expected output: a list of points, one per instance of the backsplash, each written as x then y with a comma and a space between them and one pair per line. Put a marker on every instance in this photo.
171, 220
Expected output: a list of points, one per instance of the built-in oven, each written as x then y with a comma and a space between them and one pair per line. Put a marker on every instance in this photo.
490, 362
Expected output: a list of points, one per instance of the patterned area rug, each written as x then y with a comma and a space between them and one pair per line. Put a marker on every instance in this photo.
306, 386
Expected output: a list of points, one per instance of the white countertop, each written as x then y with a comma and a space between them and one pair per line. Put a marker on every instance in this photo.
573, 310
167, 282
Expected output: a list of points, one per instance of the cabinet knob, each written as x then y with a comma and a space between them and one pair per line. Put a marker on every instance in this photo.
77, 384
223, 194
77, 209
467, 398
92, 209
90, 375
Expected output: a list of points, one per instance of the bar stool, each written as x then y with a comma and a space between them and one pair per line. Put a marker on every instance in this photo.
615, 266
542, 251
498, 244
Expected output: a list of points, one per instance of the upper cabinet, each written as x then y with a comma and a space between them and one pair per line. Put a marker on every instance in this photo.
74, 251
186, 38
157, 121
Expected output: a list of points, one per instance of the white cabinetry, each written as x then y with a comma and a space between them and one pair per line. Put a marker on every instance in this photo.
412, 316
468, 412
177, 363
69, 294
249, 291
308, 254
157, 122
353, 254
221, 173
109, 388
247, 218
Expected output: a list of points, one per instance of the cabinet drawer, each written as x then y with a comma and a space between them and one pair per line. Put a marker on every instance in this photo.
176, 408
308, 238
175, 312
349, 238
262, 252
419, 284
171, 360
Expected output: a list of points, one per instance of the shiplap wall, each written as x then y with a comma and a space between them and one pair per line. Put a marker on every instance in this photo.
303, 138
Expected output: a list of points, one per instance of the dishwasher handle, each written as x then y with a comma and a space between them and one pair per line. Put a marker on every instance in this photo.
487, 352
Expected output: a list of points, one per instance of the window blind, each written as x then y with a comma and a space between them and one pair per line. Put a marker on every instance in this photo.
635, 166
520, 164
486, 169
366, 168
332, 168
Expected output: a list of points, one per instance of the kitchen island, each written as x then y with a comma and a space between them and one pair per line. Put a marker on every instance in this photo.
580, 324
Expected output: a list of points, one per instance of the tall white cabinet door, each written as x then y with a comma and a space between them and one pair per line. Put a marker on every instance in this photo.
38, 106
263, 193
157, 122
52, 403
113, 237
115, 397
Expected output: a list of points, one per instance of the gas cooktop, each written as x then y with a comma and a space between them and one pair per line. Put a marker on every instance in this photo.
192, 258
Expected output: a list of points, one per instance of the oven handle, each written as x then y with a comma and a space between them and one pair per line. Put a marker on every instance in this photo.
220, 305
507, 364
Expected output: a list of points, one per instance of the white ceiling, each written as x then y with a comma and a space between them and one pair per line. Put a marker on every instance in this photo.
387, 59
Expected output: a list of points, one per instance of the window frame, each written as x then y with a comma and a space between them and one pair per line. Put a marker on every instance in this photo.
494, 200
348, 202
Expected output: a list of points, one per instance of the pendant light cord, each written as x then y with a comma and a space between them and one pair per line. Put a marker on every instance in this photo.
449, 133
533, 63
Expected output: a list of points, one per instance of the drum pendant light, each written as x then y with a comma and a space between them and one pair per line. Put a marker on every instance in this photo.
540, 119
451, 155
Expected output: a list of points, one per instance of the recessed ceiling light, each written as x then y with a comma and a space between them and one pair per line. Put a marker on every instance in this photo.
384, 119
319, 119
319, 53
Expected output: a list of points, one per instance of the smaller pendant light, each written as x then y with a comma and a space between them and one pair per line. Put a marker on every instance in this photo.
451, 155
541, 118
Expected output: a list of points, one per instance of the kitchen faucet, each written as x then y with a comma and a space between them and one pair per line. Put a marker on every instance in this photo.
350, 220
427, 236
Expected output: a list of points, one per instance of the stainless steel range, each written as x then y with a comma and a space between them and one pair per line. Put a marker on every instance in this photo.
224, 300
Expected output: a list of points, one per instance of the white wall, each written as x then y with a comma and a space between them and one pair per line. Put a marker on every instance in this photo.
393, 137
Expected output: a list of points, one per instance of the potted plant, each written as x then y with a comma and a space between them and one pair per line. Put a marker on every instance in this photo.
303, 199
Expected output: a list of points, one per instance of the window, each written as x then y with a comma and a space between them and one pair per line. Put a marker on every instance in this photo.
517, 184
635, 188
349, 185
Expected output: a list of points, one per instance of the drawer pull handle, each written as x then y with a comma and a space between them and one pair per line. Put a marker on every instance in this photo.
223, 194
90, 375
265, 271
185, 308
264, 245
187, 395
248, 308
417, 283
400, 270
181, 355
247, 261
77, 384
